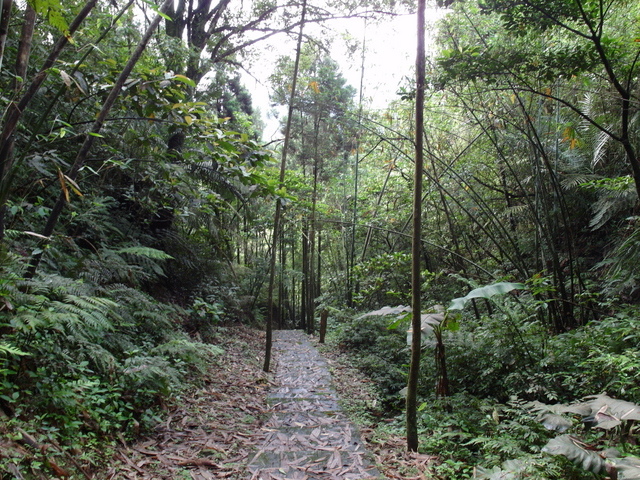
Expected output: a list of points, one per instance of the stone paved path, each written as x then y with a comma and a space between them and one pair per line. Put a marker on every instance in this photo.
308, 436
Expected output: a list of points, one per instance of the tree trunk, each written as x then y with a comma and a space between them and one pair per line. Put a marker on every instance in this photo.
24, 47
5, 17
278, 214
323, 324
416, 320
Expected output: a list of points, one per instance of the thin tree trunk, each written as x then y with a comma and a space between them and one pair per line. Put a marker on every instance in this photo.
56, 211
367, 239
278, 214
319, 263
352, 286
311, 287
24, 46
5, 17
416, 317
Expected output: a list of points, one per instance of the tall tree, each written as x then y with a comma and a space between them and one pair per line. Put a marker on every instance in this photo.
416, 271
278, 213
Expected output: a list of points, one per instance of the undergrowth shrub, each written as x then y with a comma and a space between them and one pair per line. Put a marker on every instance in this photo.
90, 361
600, 357
380, 353
472, 436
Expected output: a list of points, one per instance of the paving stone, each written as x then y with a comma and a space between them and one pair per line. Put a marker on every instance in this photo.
307, 436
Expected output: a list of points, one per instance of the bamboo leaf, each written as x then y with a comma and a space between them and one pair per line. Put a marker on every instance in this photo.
185, 79
63, 185
74, 186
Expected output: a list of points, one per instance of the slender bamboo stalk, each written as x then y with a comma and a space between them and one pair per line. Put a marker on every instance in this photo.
416, 317
278, 215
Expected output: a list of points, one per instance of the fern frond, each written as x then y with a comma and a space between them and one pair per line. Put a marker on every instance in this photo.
599, 149
150, 373
575, 180
208, 174
147, 252
7, 349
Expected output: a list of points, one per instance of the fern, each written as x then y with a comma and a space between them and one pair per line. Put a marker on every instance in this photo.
146, 252
7, 349
622, 263
150, 374
131, 266
576, 180
194, 354
599, 150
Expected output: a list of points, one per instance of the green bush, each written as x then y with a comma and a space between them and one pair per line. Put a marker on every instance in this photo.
381, 353
85, 364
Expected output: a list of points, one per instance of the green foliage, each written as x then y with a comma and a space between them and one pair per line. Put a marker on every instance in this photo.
383, 279
382, 353
602, 412
87, 365
487, 291
52, 10
601, 356
466, 431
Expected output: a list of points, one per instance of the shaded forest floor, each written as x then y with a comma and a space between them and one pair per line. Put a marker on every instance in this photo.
213, 431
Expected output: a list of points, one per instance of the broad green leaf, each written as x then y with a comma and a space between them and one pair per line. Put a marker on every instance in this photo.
398, 321
576, 451
628, 468
155, 8
487, 291
184, 79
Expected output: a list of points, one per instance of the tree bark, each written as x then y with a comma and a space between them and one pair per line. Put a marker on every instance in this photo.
5, 16
24, 47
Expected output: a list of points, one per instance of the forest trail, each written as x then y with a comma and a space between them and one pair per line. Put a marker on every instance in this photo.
308, 436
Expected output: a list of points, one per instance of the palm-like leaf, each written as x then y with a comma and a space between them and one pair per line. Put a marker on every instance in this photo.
576, 451
487, 291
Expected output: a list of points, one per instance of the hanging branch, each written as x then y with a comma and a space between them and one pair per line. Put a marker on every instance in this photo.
416, 317
278, 214
95, 132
